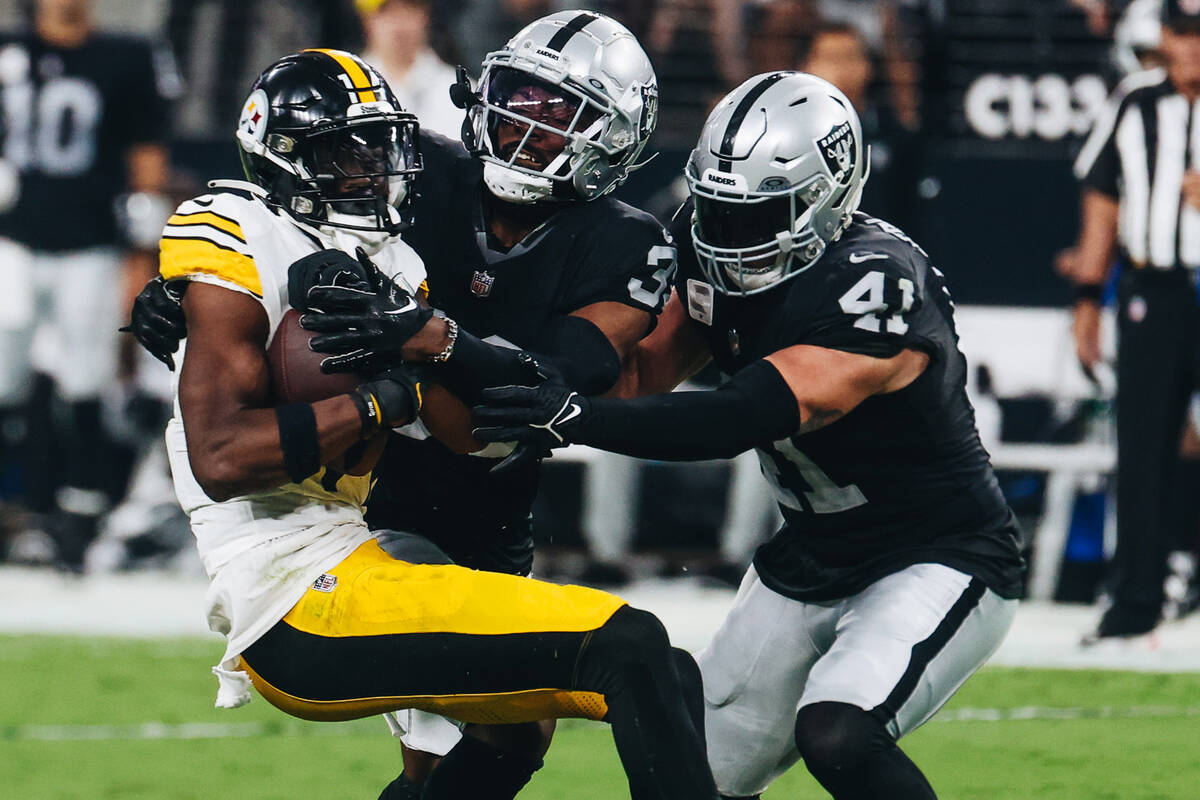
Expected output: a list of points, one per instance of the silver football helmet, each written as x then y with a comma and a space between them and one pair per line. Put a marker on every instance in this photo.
776, 176
563, 110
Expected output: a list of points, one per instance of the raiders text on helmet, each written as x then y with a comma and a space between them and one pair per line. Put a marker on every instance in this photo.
324, 135
777, 174
563, 110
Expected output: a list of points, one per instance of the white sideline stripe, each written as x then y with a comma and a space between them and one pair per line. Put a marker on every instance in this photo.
246, 730
186, 730
1051, 712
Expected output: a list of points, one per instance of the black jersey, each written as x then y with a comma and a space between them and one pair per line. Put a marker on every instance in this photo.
67, 117
901, 479
588, 252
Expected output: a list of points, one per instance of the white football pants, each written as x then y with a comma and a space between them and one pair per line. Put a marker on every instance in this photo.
899, 648
59, 312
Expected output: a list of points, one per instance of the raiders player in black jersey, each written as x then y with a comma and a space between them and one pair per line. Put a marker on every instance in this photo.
523, 247
83, 121
896, 573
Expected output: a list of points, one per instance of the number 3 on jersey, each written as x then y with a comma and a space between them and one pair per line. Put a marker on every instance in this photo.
663, 259
866, 300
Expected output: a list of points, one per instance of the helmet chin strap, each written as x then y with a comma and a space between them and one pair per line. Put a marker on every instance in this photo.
346, 239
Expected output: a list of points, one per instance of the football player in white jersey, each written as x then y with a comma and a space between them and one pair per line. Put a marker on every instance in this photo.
324, 623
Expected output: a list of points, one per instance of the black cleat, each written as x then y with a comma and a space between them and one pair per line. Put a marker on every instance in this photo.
1117, 623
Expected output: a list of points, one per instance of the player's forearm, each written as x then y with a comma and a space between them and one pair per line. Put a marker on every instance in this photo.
1097, 238
573, 345
666, 358
754, 408
244, 452
651, 370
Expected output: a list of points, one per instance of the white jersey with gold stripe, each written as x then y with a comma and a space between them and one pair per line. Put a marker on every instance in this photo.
262, 551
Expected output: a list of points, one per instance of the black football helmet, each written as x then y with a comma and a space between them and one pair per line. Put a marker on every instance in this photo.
324, 135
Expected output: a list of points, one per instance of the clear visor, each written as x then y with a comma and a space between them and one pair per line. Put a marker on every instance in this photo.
530, 121
364, 165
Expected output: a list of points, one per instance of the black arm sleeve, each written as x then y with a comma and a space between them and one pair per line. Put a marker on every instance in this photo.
574, 346
582, 353
754, 407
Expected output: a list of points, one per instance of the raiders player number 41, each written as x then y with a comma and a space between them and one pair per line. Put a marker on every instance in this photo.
897, 566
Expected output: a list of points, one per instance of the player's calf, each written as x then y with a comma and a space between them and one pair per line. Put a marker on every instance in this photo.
853, 756
630, 661
480, 770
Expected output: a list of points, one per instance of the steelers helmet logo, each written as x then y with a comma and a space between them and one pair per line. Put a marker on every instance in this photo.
253, 120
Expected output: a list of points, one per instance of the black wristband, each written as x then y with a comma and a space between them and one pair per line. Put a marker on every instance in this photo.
368, 412
1089, 291
298, 440
392, 399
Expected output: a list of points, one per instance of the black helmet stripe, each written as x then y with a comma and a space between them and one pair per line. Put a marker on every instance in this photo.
739, 116
566, 32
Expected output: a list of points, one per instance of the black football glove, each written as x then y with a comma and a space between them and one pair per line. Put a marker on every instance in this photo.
538, 417
328, 268
157, 319
364, 329
389, 400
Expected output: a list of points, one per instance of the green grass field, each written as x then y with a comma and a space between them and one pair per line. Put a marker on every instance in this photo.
133, 719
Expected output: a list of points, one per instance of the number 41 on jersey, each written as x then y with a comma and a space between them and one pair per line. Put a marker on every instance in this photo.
867, 300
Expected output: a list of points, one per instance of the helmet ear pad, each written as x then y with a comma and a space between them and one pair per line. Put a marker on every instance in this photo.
594, 164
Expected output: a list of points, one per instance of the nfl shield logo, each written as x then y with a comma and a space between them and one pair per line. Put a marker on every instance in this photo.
325, 583
481, 283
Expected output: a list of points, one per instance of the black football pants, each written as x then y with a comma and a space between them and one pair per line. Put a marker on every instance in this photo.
1158, 367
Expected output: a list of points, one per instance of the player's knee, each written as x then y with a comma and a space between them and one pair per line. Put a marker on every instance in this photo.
834, 737
689, 672
631, 638
530, 739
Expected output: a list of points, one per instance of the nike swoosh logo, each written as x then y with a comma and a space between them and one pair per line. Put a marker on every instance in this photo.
572, 414
407, 307
858, 258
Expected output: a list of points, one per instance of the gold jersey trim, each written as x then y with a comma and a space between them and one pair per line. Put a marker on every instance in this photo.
185, 256
209, 219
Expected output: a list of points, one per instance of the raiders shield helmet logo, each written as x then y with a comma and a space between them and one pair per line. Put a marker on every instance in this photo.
840, 152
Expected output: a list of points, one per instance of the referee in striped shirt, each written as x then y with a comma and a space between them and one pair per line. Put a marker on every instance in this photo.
1140, 173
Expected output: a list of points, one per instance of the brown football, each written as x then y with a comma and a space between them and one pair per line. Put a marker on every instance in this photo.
296, 377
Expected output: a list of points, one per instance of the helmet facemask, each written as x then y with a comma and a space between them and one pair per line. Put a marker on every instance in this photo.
542, 139
748, 242
354, 174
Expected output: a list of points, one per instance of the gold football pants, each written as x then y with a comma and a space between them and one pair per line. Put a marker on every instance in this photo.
381, 634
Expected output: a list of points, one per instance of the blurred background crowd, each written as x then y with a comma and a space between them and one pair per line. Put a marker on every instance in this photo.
974, 109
